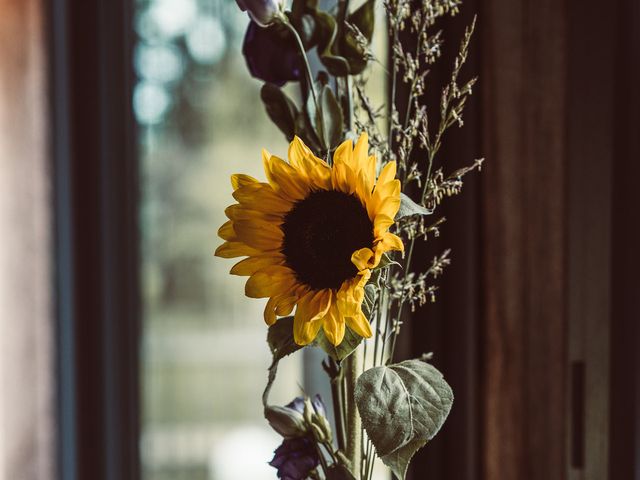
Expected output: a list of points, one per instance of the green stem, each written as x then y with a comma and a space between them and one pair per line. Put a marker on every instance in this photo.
323, 461
303, 53
344, 82
352, 367
338, 403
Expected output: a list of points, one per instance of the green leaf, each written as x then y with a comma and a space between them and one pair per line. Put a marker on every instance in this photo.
409, 207
370, 294
364, 19
327, 33
337, 471
386, 261
329, 121
280, 108
281, 343
280, 338
340, 352
305, 130
420, 399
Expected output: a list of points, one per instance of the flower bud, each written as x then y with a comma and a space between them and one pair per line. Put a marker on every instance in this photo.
286, 421
308, 411
320, 422
263, 12
318, 434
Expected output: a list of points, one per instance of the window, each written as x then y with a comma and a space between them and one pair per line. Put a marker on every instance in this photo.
204, 355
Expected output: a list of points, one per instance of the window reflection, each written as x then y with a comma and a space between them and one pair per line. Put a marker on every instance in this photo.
204, 354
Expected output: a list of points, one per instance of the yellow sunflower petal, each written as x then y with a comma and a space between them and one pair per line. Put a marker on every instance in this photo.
285, 306
343, 154
310, 167
239, 212
387, 174
298, 152
361, 152
389, 189
369, 173
276, 306
270, 311
309, 315
386, 243
240, 180
363, 189
362, 258
351, 294
360, 325
270, 281
320, 177
284, 178
251, 265
334, 326
262, 197
343, 178
226, 231
235, 249
381, 224
259, 234
389, 207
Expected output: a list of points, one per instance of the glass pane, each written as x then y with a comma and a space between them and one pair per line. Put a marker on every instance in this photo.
204, 355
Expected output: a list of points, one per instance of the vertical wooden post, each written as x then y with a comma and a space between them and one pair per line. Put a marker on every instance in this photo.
524, 263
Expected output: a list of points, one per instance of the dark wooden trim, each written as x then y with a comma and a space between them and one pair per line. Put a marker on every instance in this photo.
590, 153
624, 444
97, 240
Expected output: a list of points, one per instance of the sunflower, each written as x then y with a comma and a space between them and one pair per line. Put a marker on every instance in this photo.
312, 235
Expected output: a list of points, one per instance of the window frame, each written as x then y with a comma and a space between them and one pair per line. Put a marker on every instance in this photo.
95, 176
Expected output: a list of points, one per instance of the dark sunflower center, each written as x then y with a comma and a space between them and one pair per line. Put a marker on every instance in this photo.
321, 233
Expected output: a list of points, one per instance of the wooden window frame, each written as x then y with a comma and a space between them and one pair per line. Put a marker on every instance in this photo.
96, 202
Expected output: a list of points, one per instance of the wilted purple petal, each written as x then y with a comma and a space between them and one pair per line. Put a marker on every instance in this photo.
318, 404
297, 404
295, 458
271, 55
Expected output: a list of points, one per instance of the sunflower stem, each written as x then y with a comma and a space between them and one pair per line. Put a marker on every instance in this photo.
352, 368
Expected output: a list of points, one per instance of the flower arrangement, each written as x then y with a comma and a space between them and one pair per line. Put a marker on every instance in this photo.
329, 237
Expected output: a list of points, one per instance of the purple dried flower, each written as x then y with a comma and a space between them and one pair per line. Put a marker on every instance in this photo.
295, 458
298, 405
271, 54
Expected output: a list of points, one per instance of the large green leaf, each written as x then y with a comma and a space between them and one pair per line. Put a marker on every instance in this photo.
402, 407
